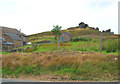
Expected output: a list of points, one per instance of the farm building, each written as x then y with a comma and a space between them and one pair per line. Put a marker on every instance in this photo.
11, 38
65, 36
4, 45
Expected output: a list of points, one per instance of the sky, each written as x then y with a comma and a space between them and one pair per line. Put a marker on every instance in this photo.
36, 16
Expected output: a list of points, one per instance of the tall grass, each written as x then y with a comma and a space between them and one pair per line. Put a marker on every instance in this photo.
110, 45
77, 65
93, 45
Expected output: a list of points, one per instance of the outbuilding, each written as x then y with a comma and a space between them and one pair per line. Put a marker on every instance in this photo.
65, 37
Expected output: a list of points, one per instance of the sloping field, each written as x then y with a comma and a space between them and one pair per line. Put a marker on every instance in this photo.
75, 31
61, 66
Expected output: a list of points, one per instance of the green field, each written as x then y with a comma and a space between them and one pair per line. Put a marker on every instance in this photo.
109, 46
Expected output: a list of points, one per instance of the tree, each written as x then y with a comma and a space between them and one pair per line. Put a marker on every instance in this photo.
57, 32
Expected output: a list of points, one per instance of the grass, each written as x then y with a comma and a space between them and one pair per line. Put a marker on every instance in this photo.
5, 52
79, 46
110, 45
81, 66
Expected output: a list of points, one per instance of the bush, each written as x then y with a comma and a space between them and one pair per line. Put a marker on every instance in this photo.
81, 39
29, 50
110, 45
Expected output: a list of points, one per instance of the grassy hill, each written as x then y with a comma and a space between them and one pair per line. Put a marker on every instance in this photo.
110, 41
75, 31
76, 60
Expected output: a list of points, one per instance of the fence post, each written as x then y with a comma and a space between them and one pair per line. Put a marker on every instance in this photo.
58, 43
100, 42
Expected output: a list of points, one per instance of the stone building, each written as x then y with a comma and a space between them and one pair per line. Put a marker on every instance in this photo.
65, 36
4, 45
12, 37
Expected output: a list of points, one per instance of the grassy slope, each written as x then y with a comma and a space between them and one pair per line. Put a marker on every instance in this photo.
76, 32
63, 65
76, 46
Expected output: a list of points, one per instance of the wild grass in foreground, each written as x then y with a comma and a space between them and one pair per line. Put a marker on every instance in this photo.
70, 65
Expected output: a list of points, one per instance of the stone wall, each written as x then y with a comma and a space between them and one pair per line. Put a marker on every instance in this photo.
26, 39
7, 47
7, 38
66, 37
17, 43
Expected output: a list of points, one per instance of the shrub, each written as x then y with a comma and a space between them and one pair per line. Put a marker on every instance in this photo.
81, 39
29, 50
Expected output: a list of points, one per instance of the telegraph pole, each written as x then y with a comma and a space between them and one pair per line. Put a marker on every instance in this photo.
21, 40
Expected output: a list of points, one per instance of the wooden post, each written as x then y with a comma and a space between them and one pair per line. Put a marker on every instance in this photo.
21, 39
58, 43
100, 42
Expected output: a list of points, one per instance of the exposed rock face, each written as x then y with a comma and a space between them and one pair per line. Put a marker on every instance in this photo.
107, 31
83, 25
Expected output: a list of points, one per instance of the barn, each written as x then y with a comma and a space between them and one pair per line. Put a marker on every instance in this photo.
65, 37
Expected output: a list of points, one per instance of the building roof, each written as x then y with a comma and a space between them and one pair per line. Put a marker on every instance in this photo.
8, 43
24, 35
68, 33
9, 30
13, 36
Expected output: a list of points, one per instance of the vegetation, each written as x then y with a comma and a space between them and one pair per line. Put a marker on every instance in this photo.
57, 32
4, 52
78, 59
110, 45
81, 66
81, 39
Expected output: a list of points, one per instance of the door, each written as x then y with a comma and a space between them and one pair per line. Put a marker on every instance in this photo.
63, 39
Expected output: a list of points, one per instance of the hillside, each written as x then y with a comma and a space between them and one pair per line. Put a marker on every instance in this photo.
79, 59
75, 31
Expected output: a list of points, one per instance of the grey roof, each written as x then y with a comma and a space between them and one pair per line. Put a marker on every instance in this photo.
68, 33
13, 36
9, 30
8, 43
24, 35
